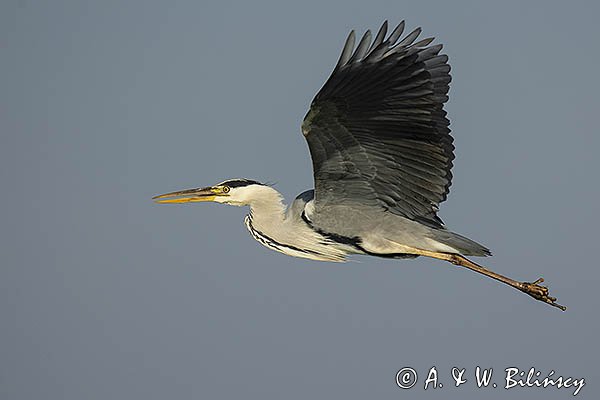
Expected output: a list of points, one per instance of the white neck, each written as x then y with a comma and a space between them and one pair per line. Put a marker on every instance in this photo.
270, 225
267, 207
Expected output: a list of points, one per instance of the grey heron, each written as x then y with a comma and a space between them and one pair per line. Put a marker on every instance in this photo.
382, 156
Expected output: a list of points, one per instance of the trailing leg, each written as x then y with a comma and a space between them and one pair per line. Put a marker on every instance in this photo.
533, 289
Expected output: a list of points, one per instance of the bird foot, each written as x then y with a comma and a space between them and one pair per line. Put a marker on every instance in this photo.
540, 293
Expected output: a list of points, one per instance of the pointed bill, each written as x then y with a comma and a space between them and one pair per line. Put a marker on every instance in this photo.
189, 196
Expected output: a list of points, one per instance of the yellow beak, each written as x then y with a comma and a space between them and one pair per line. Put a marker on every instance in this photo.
189, 195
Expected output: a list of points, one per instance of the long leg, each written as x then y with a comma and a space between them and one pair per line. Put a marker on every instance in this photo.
531, 288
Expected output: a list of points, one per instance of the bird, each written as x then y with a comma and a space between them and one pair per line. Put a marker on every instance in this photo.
382, 156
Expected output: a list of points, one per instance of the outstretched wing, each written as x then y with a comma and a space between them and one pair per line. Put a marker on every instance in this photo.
377, 131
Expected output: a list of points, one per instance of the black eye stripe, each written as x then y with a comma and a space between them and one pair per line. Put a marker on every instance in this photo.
234, 183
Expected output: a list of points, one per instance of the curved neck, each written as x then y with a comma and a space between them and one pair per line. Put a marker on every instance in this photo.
283, 230
268, 208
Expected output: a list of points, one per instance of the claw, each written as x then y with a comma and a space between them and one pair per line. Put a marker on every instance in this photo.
540, 293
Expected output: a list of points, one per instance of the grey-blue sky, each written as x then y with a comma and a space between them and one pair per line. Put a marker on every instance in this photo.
105, 295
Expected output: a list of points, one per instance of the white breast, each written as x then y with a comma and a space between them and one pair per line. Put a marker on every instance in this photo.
311, 245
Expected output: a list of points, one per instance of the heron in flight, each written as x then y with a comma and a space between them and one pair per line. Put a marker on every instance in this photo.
382, 156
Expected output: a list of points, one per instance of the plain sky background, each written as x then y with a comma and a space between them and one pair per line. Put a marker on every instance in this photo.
106, 295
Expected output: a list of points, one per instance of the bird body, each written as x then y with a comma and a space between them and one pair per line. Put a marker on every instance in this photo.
330, 236
382, 156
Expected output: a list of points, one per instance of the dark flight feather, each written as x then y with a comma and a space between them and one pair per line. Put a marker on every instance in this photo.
377, 131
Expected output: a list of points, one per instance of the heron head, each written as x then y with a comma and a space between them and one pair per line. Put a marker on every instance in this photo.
238, 192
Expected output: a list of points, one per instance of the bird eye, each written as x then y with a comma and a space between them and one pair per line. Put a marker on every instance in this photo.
226, 189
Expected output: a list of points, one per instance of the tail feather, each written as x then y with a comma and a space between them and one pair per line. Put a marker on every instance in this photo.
463, 245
